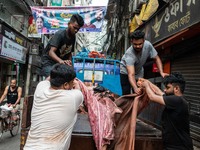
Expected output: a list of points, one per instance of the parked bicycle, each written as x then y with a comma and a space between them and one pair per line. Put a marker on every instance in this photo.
7, 123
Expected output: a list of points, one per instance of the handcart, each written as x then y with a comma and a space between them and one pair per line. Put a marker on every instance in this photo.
105, 72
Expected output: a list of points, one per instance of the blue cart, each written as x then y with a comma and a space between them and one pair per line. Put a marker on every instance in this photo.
105, 72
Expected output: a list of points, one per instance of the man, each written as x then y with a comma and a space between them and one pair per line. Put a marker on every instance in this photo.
54, 111
175, 116
131, 67
99, 19
13, 93
59, 48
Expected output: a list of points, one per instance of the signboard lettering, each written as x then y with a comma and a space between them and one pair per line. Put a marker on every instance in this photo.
190, 2
7, 32
180, 14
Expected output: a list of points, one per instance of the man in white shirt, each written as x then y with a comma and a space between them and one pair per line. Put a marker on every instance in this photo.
54, 111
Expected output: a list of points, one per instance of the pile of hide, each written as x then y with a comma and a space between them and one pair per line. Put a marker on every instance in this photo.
113, 122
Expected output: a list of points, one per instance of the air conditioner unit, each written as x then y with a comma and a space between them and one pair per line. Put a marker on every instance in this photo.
140, 3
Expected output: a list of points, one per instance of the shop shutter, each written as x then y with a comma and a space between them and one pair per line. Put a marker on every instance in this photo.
189, 65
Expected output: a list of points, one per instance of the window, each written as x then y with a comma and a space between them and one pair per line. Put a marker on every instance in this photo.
17, 21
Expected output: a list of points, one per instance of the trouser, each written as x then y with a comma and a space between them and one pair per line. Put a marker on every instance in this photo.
125, 84
46, 71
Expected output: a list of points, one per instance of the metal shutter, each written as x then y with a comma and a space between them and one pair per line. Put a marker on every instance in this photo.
189, 66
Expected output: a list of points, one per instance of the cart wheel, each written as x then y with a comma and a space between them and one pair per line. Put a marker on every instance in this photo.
1, 129
15, 128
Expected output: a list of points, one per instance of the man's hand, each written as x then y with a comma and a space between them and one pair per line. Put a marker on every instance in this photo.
164, 74
137, 90
145, 83
67, 62
9, 105
82, 110
140, 81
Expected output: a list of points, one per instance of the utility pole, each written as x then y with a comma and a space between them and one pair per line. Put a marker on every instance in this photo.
28, 76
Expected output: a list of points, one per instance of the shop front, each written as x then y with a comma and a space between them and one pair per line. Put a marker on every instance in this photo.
175, 33
187, 61
13, 53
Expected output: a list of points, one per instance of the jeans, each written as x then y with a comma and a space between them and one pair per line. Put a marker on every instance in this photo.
46, 71
125, 84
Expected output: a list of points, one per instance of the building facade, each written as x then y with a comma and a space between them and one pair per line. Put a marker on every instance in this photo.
13, 43
174, 31
15, 47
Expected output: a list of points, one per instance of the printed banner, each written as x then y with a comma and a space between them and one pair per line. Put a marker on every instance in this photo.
48, 20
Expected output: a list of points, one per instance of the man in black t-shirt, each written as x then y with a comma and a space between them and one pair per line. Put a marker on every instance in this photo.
175, 117
60, 46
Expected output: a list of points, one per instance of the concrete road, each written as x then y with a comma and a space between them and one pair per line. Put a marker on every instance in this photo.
10, 143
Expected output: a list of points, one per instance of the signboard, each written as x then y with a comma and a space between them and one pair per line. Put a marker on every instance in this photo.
12, 50
13, 36
179, 15
48, 20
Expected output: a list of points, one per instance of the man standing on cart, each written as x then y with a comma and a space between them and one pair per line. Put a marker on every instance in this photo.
61, 45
